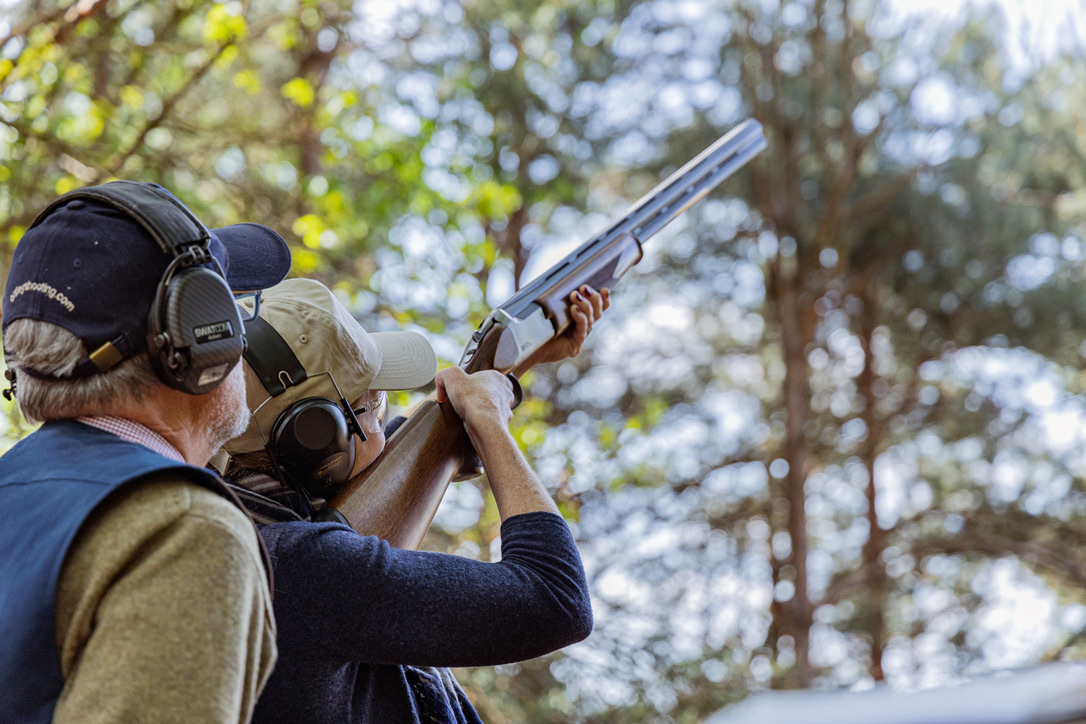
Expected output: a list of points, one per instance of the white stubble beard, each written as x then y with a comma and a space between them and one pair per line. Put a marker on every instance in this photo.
228, 413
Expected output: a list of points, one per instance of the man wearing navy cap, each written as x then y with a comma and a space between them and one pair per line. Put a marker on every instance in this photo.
132, 587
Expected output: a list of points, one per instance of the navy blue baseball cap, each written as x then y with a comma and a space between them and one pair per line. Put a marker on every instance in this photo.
91, 262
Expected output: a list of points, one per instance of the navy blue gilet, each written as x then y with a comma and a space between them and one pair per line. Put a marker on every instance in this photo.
49, 483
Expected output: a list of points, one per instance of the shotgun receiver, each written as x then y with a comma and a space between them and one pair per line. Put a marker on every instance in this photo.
396, 497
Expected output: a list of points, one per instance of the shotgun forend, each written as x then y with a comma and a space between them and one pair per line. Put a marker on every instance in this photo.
540, 311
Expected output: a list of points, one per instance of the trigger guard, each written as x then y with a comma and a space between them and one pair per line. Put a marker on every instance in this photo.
518, 391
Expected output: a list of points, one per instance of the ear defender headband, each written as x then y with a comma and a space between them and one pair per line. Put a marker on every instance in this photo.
310, 444
194, 329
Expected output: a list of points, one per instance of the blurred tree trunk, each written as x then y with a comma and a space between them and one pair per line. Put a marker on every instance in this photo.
873, 570
796, 334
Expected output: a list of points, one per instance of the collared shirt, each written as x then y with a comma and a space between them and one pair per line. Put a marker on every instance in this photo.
133, 432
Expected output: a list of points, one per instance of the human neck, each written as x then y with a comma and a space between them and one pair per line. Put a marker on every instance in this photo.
177, 417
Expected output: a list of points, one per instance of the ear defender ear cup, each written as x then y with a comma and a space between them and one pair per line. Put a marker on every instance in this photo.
194, 330
311, 442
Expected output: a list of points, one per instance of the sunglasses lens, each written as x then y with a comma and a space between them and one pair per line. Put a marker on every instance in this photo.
373, 415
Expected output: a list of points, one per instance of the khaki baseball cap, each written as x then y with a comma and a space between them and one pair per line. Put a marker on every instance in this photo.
325, 337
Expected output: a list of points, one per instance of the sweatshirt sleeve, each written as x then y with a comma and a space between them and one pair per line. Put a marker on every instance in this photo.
359, 599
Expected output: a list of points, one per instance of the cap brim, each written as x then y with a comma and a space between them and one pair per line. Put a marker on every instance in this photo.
407, 361
257, 257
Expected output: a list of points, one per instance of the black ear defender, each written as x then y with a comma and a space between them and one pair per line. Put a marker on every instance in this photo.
310, 443
195, 334
10, 391
194, 328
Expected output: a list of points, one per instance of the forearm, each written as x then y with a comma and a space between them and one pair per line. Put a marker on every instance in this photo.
363, 600
515, 485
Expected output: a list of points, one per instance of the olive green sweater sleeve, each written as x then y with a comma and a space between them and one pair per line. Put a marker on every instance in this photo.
163, 611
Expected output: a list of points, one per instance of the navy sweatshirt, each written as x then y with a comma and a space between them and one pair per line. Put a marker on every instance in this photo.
360, 623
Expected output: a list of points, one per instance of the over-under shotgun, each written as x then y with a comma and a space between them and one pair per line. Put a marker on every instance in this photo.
397, 496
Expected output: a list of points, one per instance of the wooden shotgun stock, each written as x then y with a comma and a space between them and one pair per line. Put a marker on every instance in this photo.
397, 496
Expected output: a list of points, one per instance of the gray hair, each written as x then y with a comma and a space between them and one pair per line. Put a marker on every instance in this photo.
49, 349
